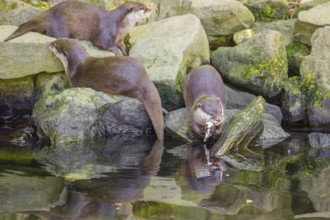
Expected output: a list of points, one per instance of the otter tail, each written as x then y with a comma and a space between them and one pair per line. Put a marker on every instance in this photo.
152, 103
28, 26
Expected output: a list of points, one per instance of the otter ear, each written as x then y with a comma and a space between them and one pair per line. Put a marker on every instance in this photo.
129, 9
199, 105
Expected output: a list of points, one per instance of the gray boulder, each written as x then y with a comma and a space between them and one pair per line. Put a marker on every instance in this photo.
119, 118
169, 49
296, 52
293, 105
285, 27
78, 113
15, 12
50, 84
310, 20
220, 17
26, 55
315, 74
17, 94
267, 9
242, 36
237, 99
177, 125
223, 17
258, 65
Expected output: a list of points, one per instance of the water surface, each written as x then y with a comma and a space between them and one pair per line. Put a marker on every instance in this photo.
140, 178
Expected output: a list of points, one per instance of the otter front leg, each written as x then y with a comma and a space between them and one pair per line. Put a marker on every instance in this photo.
116, 51
122, 47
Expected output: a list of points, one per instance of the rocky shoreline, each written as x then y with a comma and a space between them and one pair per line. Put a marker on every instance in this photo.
284, 60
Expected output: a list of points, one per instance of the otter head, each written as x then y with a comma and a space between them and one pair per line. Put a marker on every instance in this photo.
210, 109
70, 52
135, 12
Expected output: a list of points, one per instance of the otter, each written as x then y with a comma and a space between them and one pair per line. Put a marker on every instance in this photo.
117, 75
79, 20
205, 96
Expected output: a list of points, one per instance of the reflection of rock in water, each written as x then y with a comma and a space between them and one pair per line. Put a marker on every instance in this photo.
30, 189
90, 159
110, 195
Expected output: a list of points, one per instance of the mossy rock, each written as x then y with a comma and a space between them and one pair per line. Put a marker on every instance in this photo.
296, 52
267, 9
293, 106
258, 65
18, 94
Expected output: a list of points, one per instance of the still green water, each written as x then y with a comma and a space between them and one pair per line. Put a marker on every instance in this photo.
135, 178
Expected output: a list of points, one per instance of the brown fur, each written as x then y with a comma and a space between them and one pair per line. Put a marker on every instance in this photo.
205, 96
74, 19
113, 75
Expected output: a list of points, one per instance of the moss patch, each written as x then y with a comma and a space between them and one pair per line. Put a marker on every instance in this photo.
4, 6
261, 67
269, 11
315, 95
296, 51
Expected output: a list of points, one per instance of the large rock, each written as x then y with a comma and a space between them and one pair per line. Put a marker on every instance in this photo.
169, 49
259, 65
267, 9
222, 17
50, 84
293, 106
81, 113
310, 20
26, 55
285, 27
30, 54
315, 74
237, 99
296, 52
219, 17
178, 126
13, 12
17, 94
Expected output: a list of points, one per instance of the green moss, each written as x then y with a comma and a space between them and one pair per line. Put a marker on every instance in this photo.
315, 96
297, 47
40, 4
218, 22
263, 67
269, 11
296, 51
4, 6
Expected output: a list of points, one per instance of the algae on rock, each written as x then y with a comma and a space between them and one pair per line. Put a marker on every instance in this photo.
259, 65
